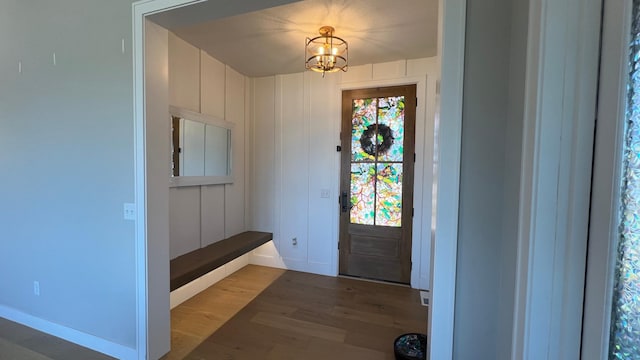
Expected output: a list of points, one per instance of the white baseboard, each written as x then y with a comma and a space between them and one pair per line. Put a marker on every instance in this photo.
321, 269
191, 289
267, 255
236, 264
296, 264
267, 261
424, 283
77, 337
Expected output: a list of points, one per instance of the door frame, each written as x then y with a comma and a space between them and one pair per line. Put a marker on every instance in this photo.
560, 91
607, 175
421, 243
406, 234
451, 24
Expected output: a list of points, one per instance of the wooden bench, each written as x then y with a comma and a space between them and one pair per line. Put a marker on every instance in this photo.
192, 265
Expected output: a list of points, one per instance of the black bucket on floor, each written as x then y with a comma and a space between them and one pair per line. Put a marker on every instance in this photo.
412, 346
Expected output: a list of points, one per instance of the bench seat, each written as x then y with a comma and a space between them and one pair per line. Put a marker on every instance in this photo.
192, 265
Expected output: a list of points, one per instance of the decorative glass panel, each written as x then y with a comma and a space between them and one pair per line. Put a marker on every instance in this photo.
362, 193
391, 129
363, 124
625, 320
389, 195
377, 147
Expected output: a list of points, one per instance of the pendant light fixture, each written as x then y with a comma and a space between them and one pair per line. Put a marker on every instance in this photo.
326, 53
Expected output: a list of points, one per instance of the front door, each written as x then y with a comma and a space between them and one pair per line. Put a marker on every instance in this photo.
376, 187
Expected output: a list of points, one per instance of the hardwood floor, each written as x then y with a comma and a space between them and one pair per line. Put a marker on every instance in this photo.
306, 316
265, 314
196, 319
18, 342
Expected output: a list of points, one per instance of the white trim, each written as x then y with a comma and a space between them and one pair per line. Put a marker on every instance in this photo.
193, 288
180, 181
408, 80
278, 166
421, 194
336, 127
605, 198
452, 17
452, 23
530, 187
321, 268
140, 180
140, 10
560, 91
267, 255
78, 337
203, 118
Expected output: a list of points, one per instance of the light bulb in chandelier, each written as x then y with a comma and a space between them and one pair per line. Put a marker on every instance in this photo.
326, 53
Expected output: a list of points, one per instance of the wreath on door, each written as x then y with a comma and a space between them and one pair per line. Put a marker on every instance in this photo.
384, 139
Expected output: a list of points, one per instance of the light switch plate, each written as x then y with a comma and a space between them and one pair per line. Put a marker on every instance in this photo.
129, 211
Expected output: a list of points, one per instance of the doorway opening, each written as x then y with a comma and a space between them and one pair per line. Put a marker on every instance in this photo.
151, 269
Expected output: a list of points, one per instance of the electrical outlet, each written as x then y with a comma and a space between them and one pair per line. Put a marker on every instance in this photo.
129, 211
294, 241
36, 288
424, 298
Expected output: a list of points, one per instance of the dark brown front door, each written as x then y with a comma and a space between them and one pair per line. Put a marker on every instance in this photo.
376, 186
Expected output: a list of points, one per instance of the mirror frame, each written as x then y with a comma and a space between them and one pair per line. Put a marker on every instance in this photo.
178, 181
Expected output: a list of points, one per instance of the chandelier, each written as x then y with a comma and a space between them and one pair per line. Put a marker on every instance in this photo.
326, 53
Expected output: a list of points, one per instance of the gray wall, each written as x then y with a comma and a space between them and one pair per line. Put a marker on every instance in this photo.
66, 150
490, 166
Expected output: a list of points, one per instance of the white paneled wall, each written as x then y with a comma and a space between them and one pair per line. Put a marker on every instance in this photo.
211, 92
234, 201
202, 215
284, 145
295, 122
184, 74
262, 181
211, 203
292, 183
184, 219
324, 171
261, 205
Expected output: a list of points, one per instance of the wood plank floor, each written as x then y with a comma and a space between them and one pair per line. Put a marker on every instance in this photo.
18, 342
264, 313
306, 316
196, 319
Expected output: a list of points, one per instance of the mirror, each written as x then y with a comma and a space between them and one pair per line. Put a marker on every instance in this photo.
201, 149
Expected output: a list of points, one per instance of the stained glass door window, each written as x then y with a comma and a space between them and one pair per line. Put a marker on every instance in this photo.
377, 155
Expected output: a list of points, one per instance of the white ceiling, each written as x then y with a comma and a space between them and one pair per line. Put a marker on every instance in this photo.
271, 41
